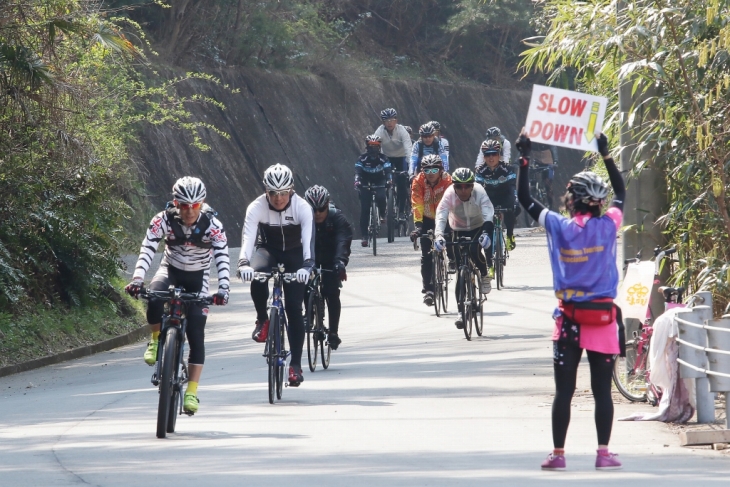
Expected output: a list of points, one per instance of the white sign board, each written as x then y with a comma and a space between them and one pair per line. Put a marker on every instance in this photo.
565, 118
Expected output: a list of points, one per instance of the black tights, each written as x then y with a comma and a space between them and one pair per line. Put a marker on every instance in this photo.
565, 363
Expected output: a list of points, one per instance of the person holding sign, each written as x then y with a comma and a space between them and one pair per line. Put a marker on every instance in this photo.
582, 252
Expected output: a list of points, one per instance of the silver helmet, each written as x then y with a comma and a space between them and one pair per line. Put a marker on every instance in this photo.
278, 177
189, 190
588, 187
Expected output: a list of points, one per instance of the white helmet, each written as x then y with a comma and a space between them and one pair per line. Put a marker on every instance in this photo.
189, 190
278, 177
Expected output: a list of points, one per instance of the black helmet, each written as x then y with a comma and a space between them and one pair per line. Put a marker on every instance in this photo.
388, 113
463, 175
588, 187
426, 129
490, 146
317, 196
435, 124
432, 160
493, 132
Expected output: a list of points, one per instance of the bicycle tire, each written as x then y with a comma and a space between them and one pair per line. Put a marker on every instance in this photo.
631, 383
174, 405
169, 357
390, 215
466, 296
496, 258
445, 289
272, 358
313, 325
281, 357
436, 282
375, 219
479, 312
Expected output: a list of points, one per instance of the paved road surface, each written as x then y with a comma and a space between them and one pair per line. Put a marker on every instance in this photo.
407, 401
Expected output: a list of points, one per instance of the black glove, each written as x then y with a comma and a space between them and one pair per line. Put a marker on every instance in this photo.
602, 141
389, 183
134, 287
220, 298
358, 184
341, 271
417, 232
524, 145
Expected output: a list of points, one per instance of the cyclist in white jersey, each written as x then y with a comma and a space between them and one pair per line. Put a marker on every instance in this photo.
494, 133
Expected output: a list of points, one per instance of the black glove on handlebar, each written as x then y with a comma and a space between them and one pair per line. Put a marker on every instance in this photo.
341, 271
134, 288
220, 298
417, 232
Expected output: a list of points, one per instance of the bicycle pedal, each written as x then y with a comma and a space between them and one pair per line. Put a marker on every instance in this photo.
189, 413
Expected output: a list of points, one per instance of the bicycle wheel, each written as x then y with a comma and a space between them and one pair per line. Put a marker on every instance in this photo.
281, 358
436, 282
497, 258
169, 357
312, 329
272, 357
390, 215
375, 225
466, 296
325, 348
174, 404
445, 287
630, 375
478, 306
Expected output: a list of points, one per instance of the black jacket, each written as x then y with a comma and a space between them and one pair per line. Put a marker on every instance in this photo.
333, 239
499, 183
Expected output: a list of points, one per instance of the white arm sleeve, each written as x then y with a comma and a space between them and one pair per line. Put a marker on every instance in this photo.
251, 227
442, 210
308, 229
407, 142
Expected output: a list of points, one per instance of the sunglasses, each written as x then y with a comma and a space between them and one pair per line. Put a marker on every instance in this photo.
487, 154
431, 170
320, 210
463, 186
188, 206
281, 192
428, 136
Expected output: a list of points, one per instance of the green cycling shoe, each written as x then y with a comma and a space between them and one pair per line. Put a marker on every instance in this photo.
150, 355
190, 403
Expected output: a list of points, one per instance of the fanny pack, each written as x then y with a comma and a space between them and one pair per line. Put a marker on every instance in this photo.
599, 312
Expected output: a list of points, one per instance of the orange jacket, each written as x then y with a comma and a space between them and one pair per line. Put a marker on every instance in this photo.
424, 198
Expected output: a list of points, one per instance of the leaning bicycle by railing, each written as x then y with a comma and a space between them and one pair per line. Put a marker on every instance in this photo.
171, 370
469, 295
317, 333
501, 253
275, 350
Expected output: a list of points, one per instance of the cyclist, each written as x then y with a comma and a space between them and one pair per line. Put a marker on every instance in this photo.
468, 211
374, 168
494, 133
444, 141
191, 233
332, 252
499, 180
546, 157
410, 132
582, 251
426, 192
397, 146
427, 144
279, 229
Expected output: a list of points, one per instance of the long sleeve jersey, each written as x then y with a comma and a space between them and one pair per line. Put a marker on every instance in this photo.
463, 215
193, 253
504, 155
398, 144
373, 168
445, 142
500, 184
425, 198
334, 236
289, 229
420, 149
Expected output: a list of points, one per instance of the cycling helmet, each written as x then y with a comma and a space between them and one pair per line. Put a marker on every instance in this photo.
408, 129
432, 160
493, 132
463, 175
189, 190
317, 196
426, 129
490, 146
388, 113
373, 140
435, 124
278, 177
588, 187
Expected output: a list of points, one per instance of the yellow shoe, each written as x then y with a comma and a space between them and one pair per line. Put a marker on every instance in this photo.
190, 403
511, 244
150, 355
490, 273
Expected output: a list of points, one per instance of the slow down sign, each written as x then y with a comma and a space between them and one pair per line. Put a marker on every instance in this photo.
565, 118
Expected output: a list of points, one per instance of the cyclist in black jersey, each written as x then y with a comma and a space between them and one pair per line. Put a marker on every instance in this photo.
191, 233
279, 229
332, 252
373, 168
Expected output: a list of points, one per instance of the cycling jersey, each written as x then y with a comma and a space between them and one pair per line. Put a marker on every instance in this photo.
500, 184
420, 150
194, 254
445, 142
504, 154
333, 239
287, 230
397, 145
425, 198
463, 215
373, 167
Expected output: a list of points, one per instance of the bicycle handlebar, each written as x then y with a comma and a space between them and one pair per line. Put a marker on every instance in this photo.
187, 297
264, 276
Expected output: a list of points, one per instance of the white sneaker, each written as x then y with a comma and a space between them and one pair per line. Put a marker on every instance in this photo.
486, 285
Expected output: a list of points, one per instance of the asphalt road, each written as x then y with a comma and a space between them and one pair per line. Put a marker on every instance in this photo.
407, 401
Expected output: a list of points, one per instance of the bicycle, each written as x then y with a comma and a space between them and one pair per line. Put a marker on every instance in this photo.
171, 370
274, 349
500, 252
469, 288
538, 189
374, 223
632, 374
317, 333
439, 276
403, 220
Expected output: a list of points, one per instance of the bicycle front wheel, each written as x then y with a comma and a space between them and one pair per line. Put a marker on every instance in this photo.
497, 258
436, 282
630, 373
467, 294
312, 330
391, 214
281, 357
167, 368
375, 226
325, 348
272, 357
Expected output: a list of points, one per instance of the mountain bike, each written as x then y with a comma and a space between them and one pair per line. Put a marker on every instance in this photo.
632, 374
469, 288
317, 333
275, 348
171, 370
500, 252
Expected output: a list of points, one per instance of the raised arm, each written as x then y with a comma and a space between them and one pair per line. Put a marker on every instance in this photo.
614, 175
532, 206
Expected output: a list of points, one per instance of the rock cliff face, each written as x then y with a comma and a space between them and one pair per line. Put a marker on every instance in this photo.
315, 125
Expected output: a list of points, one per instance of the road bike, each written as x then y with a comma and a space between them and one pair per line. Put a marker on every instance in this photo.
403, 219
468, 287
275, 350
171, 369
374, 222
632, 374
439, 275
538, 188
317, 333
500, 252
